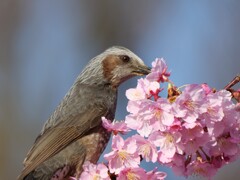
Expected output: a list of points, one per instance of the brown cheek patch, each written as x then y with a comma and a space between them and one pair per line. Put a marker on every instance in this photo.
109, 64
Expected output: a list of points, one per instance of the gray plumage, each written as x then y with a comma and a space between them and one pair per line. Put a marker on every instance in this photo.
74, 134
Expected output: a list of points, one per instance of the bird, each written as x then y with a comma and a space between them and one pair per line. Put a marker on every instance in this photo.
74, 133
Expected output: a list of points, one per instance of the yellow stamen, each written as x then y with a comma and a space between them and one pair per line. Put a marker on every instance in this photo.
96, 177
158, 113
169, 138
145, 150
211, 111
123, 155
132, 176
189, 104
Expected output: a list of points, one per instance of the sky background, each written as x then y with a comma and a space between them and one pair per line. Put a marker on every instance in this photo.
45, 44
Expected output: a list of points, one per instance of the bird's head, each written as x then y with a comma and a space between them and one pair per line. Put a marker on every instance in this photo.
113, 66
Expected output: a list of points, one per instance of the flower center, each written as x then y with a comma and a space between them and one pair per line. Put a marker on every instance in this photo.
169, 138
123, 155
199, 171
211, 111
96, 177
221, 142
132, 176
145, 150
158, 113
189, 104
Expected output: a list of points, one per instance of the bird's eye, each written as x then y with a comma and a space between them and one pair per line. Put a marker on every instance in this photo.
125, 58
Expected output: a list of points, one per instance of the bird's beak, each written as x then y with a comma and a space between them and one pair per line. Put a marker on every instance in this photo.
142, 70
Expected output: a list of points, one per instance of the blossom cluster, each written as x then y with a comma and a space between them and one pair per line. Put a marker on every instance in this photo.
195, 130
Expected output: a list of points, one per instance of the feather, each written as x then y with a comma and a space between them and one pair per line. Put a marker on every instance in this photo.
72, 125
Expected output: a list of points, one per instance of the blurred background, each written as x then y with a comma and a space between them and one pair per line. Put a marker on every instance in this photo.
45, 44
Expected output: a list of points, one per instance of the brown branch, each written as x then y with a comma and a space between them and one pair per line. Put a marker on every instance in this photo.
235, 93
233, 82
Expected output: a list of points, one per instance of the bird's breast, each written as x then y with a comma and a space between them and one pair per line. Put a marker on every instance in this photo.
94, 144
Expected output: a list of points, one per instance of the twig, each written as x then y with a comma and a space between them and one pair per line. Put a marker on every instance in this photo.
233, 82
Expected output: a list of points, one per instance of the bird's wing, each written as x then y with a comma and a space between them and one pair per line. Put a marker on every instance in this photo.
68, 129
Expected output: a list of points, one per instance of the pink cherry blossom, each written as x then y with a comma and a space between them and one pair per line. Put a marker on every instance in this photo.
224, 146
134, 107
237, 107
123, 155
193, 137
146, 149
149, 87
214, 108
160, 114
159, 71
141, 121
136, 173
142, 125
206, 88
191, 103
215, 129
168, 142
231, 115
235, 134
178, 164
194, 132
200, 168
135, 94
92, 171
115, 126
145, 89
